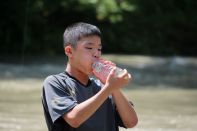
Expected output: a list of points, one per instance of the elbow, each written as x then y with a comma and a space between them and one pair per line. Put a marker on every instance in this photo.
132, 123
72, 121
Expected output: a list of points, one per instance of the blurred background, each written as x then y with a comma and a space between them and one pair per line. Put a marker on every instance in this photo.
155, 40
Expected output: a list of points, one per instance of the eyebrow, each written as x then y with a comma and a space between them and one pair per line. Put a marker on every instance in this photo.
90, 43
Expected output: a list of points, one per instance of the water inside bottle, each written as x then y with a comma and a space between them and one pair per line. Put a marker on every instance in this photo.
101, 70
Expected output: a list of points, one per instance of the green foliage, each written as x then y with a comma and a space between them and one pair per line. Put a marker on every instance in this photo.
111, 10
153, 27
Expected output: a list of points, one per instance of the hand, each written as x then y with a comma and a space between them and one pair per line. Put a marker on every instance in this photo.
107, 62
115, 82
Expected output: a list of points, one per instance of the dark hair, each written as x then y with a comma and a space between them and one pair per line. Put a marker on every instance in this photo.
78, 30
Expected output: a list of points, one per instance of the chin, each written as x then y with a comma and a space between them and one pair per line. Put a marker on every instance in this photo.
90, 72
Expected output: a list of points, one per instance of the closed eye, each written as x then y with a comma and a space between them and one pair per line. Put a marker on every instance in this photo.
99, 49
89, 48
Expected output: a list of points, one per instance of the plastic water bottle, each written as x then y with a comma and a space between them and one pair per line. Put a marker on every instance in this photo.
101, 70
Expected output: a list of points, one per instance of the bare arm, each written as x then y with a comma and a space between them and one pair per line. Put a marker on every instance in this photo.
84, 110
125, 109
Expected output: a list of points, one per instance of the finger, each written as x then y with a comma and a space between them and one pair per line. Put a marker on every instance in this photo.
129, 77
110, 63
112, 71
126, 75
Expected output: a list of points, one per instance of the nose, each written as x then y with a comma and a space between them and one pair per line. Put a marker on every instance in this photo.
97, 54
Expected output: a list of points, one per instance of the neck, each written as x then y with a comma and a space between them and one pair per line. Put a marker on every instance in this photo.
77, 74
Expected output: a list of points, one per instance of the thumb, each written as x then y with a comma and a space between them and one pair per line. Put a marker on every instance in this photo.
113, 70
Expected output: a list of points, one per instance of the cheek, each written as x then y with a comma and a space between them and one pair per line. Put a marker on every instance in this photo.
87, 62
87, 56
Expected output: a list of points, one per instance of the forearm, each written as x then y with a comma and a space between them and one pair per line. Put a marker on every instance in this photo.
84, 110
125, 109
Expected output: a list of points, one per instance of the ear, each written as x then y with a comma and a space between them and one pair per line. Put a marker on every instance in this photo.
68, 51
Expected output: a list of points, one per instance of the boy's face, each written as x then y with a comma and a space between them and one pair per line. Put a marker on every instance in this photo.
85, 53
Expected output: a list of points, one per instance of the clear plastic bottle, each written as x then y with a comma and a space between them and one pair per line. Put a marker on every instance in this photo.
101, 69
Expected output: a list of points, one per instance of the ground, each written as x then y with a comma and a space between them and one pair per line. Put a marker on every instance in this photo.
163, 90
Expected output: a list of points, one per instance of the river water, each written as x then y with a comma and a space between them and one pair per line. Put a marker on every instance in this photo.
163, 91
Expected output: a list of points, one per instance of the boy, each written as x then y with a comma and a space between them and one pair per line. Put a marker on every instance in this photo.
74, 102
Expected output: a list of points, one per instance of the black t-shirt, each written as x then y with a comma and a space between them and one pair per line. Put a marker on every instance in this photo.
62, 92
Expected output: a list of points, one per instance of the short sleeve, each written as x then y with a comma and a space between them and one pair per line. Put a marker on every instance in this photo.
58, 98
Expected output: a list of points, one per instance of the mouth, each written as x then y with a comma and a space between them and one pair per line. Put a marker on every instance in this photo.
93, 63
91, 66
